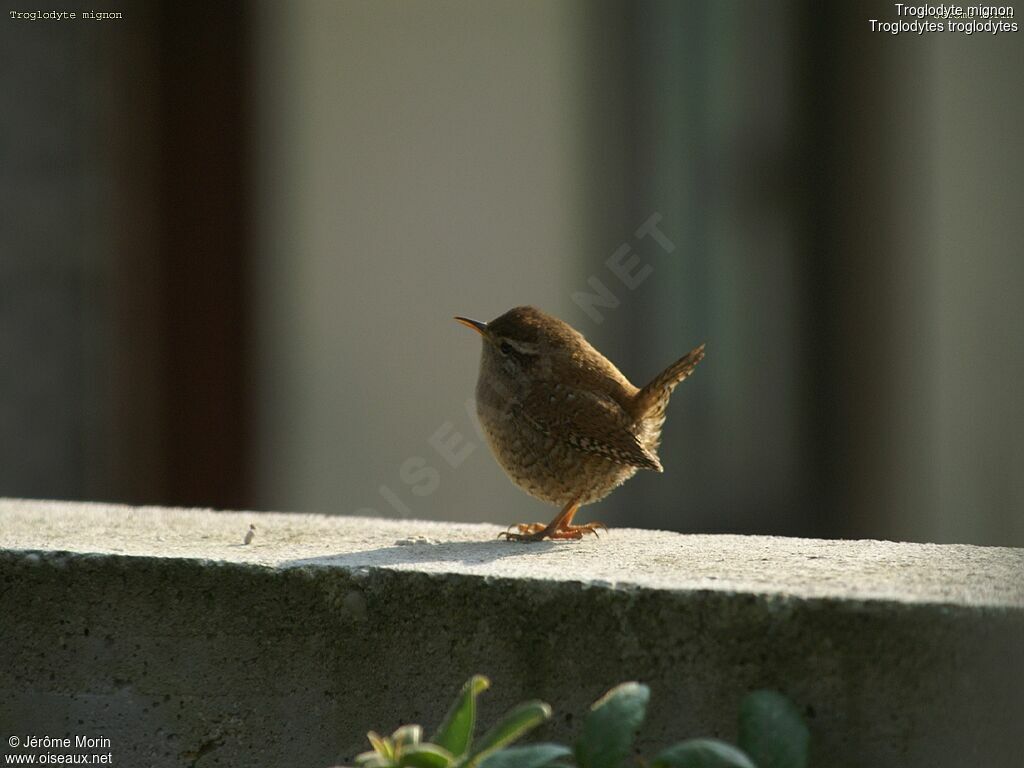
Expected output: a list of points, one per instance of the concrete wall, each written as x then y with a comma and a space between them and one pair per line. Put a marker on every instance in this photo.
157, 629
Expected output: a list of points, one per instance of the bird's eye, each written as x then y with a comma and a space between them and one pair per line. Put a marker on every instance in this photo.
506, 348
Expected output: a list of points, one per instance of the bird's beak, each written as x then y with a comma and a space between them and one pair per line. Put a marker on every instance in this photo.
476, 325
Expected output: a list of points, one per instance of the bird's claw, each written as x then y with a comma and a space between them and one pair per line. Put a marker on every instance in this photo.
539, 532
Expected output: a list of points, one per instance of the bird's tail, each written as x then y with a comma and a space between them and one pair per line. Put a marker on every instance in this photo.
655, 395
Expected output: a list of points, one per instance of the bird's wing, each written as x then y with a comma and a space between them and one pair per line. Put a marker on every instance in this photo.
591, 422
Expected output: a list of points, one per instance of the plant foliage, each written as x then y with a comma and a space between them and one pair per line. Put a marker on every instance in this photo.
771, 735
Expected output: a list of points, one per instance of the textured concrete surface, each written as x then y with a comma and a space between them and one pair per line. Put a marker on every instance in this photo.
159, 630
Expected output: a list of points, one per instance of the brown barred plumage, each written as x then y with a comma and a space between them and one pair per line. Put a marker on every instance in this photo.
562, 421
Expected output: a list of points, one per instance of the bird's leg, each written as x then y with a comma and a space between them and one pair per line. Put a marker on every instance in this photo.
559, 528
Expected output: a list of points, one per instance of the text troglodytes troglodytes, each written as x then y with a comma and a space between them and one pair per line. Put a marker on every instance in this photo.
563, 422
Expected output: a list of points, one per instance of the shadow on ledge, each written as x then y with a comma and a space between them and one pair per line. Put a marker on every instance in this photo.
466, 552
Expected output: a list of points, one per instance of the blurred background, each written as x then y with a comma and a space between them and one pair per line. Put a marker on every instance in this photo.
233, 236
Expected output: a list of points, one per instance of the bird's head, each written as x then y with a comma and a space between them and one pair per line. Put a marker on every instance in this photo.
523, 344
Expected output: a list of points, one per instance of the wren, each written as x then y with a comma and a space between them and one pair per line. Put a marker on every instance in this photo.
562, 421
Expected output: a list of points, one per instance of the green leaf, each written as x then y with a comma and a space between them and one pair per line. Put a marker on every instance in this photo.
373, 760
426, 756
455, 733
702, 753
380, 745
772, 731
407, 735
611, 726
533, 756
519, 721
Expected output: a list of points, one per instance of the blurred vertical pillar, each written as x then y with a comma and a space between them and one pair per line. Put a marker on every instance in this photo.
52, 195
204, 249
712, 111
180, 291
124, 255
861, 261
910, 273
974, 237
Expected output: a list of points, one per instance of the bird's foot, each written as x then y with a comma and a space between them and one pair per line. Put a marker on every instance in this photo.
540, 531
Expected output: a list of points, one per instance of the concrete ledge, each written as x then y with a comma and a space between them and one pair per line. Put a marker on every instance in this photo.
157, 629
